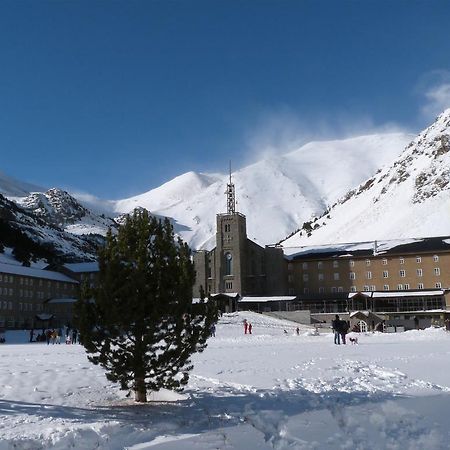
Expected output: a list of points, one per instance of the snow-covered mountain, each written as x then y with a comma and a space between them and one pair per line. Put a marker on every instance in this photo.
277, 194
32, 237
59, 208
408, 198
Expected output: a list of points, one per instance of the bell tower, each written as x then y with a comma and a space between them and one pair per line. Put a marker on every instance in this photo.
231, 238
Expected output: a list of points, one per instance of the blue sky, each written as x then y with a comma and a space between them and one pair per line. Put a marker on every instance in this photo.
116, 97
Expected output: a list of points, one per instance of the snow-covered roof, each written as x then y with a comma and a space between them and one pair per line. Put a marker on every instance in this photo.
83, 267
365, 294
365, 313
44, 316
61, 300
35, 273
382, 294
280, 298
226, 294
366, 249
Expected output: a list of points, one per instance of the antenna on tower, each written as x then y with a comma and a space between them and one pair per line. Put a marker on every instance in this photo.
231, 197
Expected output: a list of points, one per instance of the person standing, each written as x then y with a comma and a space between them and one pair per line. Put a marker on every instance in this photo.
337, 327
31, 335
250, 327
344, 330
245, 326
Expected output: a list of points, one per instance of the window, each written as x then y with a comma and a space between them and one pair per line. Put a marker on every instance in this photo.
320, 265
340, 289
369, 275
420, 286
305, 266
227, 228
407, 287
419, 272
336, 276
335, 264
437, 271
352, 288
402, 260
305, 277
351, 263
228, 264
366, 289
384, 262
438, 285
321, 290
373, 288
306, 290
333, 289
228, 285
320, 276
352, 276
435, 258
418, 259
385, 287
402, 273
385, 274
367, 262
399, 287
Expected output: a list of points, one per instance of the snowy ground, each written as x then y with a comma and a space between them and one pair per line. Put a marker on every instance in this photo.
268, 390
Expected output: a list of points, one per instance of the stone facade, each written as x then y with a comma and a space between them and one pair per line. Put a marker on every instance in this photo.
237, 264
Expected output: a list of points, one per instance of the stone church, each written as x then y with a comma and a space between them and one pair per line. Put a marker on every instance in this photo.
237, 264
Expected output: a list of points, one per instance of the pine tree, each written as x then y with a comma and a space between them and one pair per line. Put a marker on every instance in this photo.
140, 323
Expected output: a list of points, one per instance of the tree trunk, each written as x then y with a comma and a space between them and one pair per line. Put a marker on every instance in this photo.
140, 391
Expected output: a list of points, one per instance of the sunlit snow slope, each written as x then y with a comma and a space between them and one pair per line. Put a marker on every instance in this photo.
409, 198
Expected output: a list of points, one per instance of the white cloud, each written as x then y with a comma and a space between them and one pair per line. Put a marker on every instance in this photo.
282, 131
436, 89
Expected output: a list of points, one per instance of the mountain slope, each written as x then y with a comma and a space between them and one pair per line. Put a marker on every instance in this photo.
31, 237
58, 208
408, 198
277, 194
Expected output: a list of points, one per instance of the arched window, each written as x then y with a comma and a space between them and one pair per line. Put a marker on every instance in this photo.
228, 264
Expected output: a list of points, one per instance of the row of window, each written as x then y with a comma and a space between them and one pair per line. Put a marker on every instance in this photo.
7, 305
30, 282
367, 288
351, 262
368, 275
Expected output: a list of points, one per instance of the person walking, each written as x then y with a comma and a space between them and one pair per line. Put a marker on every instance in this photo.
337, 327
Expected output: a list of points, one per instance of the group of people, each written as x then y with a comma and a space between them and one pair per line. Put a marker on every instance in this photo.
340, 329
54, 336
248, 327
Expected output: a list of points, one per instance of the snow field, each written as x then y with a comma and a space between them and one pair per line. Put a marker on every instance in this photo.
266, 390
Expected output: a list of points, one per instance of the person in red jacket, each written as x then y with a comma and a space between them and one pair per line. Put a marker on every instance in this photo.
245, 326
